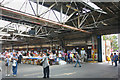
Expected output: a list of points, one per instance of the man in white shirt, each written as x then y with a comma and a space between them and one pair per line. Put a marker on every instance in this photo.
14, 64
45, 66
83, 55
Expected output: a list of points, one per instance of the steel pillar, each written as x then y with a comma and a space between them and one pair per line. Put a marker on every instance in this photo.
99, 48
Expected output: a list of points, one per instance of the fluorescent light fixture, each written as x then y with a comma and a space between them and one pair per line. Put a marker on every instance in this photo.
3, 34
7, 40
76, 13
86, 10
28, 26
44, 35
57, 31
40, 37
26, 35
11, 30
104, 23
21, 35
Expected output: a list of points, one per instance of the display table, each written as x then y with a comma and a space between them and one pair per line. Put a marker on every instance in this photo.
36, 60
31, 60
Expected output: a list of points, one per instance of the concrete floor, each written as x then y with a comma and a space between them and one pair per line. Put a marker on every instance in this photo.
88, 70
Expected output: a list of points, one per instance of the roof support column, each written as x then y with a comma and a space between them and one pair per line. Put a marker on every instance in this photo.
93, 48
94, 52
62, 44
99, 48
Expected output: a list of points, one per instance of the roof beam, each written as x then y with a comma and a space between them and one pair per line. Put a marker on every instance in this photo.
10, 13
69, 17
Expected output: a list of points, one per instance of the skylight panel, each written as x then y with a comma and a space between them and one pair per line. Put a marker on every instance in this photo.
93, 6
3, 23
18, 5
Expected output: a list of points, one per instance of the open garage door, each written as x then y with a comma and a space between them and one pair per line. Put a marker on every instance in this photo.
109, 46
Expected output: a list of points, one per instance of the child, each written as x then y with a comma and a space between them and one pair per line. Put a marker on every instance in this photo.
112, 59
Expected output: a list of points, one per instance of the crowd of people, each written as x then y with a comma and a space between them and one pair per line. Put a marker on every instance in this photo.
13, 58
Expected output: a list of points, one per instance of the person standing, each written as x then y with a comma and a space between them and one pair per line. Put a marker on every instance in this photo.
55, 57
14, 64
68, 57
115, 59
8, 65
45, 66
60, 56
20, 57
71, 57
63, 56
77, 57
86, 60
112, 58
83, 55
